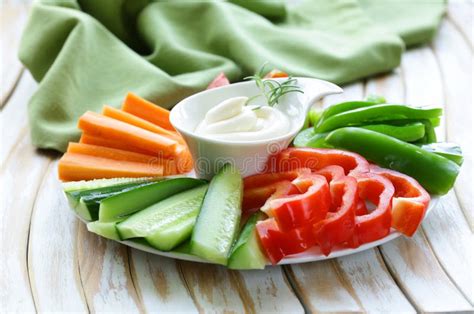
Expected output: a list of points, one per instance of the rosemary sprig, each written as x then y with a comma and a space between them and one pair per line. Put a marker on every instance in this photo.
272, 89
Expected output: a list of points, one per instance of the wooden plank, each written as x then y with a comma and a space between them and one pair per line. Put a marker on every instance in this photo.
353, 283
372, 283
389, 86
447, 221
14, 116
52, 264
13, 18
267, 291
159, 282
322, 287
21, 176
455, 60
213, 288
105, 274
452, 241
217, 289
419, 274
461, 13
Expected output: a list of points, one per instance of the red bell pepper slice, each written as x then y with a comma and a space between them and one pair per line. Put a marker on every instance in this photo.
378, 190
316, 159
361, 208
275, 73
331, 173
254, 198
338, 227
409, 203
264, 179
278, 244
220, 80
303, 209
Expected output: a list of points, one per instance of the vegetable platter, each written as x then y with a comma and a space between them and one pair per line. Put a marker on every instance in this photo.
343, 179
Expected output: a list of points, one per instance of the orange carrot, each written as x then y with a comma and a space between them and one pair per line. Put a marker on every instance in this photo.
129, 118
100, 141
110, 153
184, 160
146, 110
102, 126
169, 166
73, 167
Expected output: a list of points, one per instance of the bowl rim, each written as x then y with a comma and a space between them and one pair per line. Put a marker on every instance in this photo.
173, 117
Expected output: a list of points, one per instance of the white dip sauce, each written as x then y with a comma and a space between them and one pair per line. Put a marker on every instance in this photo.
232, 121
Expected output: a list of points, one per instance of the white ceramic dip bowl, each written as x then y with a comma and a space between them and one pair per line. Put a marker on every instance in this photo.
248, 156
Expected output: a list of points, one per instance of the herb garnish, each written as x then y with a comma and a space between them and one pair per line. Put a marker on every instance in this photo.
272, 89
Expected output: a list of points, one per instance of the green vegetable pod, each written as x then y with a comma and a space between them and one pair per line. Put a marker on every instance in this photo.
376, 113
435, 173
408, 133
343, 107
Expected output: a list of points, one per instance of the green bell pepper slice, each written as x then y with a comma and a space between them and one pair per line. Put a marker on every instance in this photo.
375, 113
343, 107
408, 133
434, 172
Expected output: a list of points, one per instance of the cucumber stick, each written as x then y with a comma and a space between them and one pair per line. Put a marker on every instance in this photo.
218, 220
168, 223
246, 253
86, 202
115, 207
104, 229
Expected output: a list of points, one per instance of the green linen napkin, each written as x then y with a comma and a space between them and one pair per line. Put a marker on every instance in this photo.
87, 53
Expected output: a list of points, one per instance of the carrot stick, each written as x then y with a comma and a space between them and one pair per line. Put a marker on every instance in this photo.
129, 118
100, 141
169, 166
102, 126
184, 160
73, 167
146, 110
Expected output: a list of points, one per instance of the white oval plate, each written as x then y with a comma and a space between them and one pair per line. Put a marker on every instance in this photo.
311, 255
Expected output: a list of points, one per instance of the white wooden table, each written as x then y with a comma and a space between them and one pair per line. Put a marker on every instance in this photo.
50, 263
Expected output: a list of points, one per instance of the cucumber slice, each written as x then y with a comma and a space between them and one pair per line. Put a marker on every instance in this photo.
218, 220
115, 207
86, 202
104, 229
246, 253
167, 223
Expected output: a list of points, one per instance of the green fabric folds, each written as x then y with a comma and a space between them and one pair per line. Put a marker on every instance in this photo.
87, 53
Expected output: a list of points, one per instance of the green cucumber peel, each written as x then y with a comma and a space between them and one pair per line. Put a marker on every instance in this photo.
124, 204
246, 253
